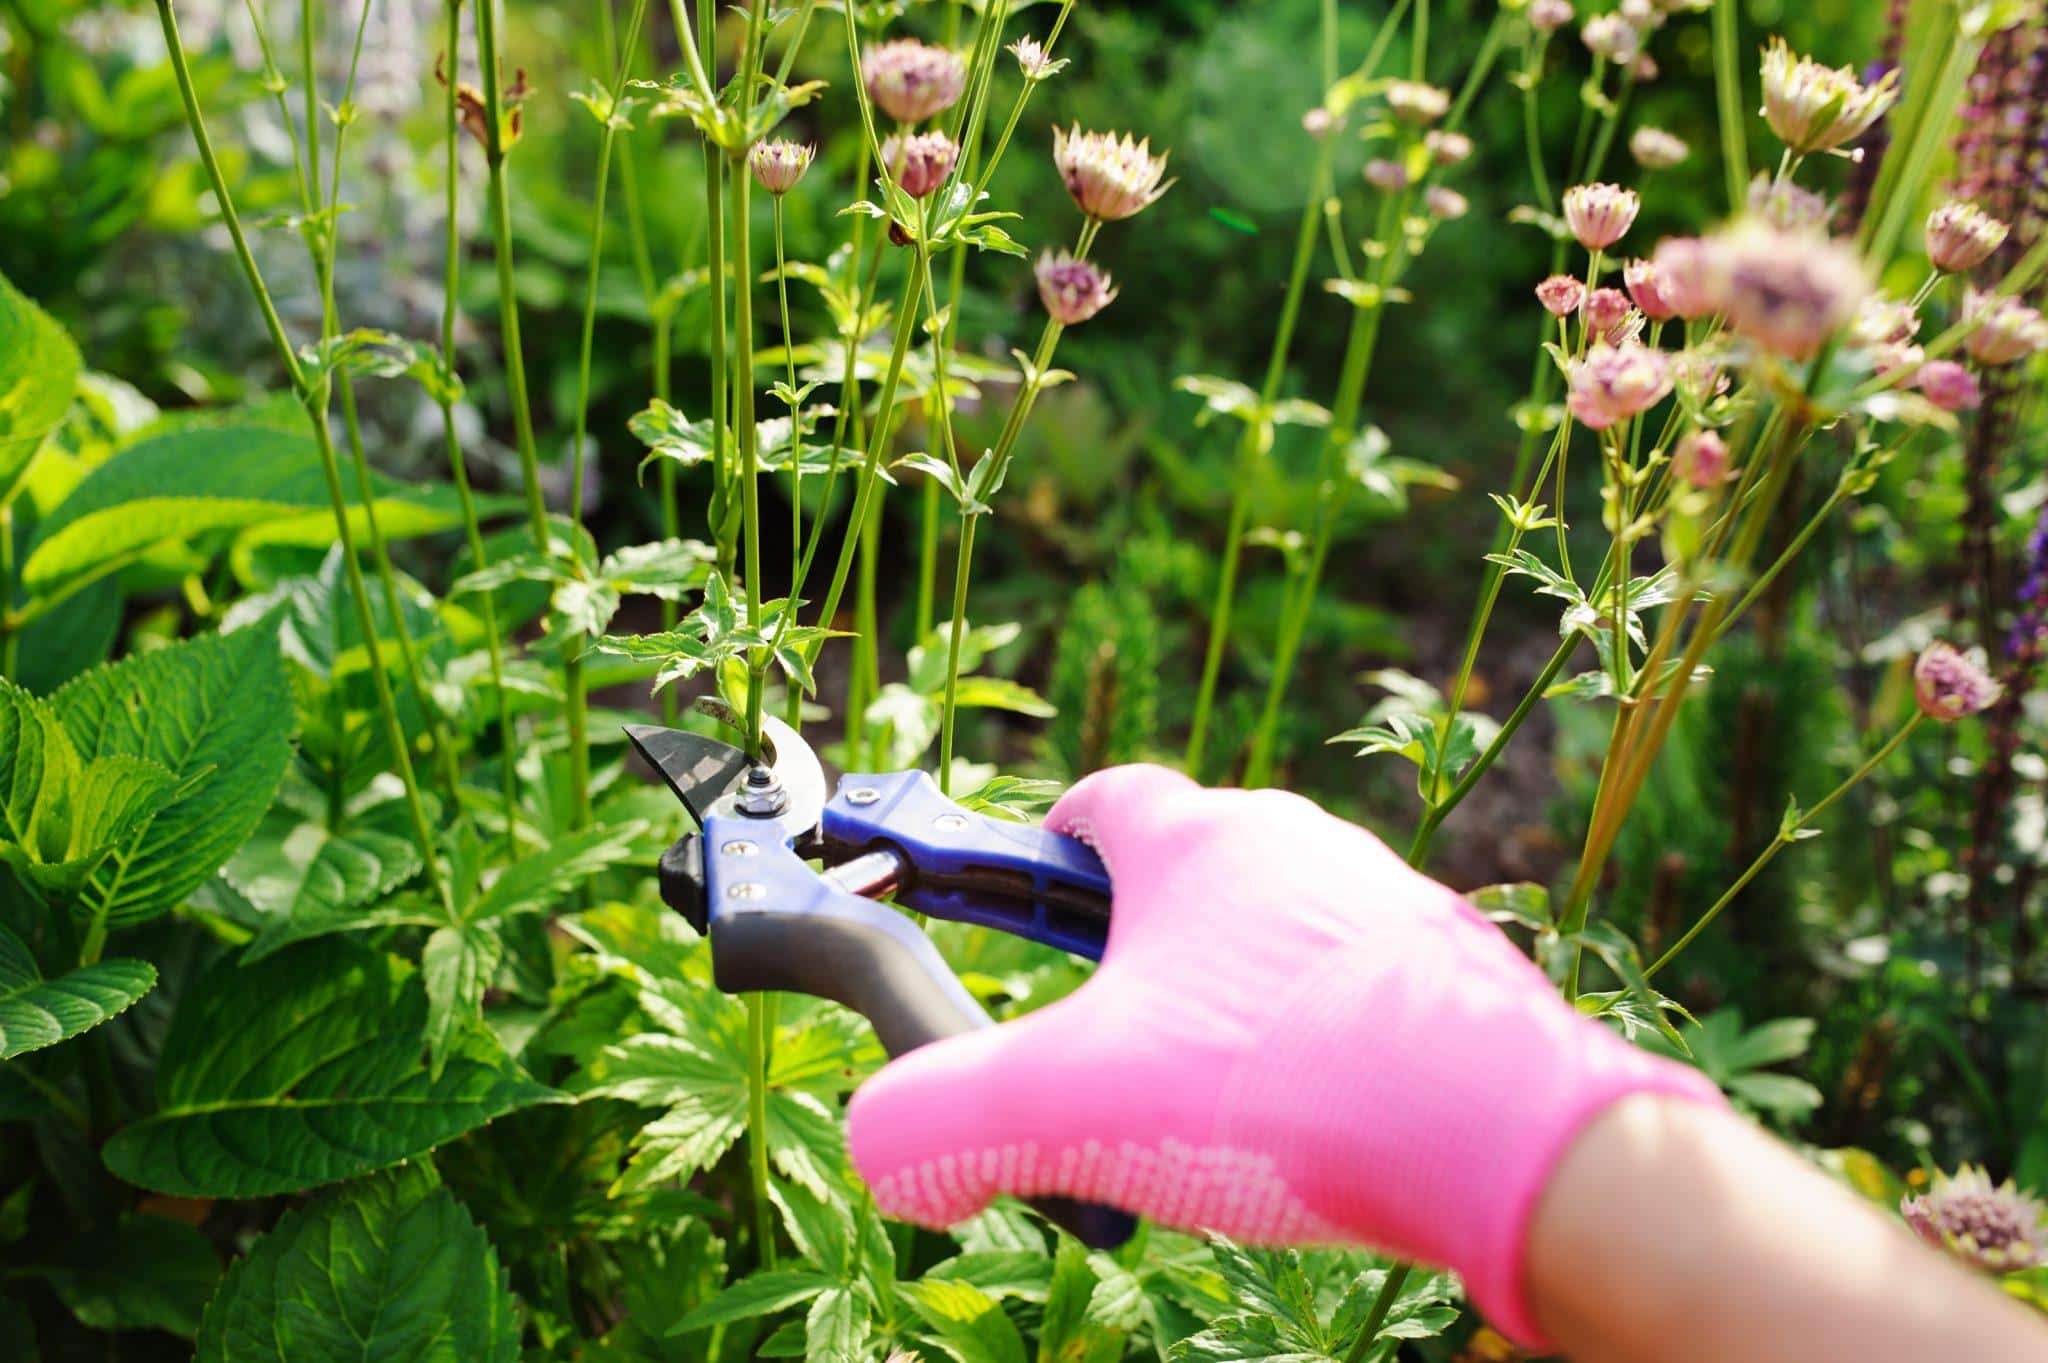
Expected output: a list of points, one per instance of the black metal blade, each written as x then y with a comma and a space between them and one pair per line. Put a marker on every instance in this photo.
701, 771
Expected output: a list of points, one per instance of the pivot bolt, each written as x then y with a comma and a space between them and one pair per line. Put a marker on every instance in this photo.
863, 795
747, 889
762, 797
740, 847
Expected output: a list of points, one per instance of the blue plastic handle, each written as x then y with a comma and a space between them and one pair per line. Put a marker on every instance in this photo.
1046, 876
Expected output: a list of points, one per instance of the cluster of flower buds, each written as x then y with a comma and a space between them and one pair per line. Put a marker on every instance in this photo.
1962, 236
1656, 149
912, 81
1109, 177
1612, 383
1785, 291
1950, 685
1611, 317
1813, 108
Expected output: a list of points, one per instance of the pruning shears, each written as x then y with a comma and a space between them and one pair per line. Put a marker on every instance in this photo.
787, 884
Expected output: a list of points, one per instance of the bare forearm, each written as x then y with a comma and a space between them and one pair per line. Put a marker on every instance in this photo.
1673, 1233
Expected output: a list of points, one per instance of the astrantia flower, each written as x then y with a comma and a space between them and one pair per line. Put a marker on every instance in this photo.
1686, 277
1949, 386
1701, 460
1613, 383
1073, 290
1655, 149
1110, 177
1883, 321
1600, 214
1317, 122
1612, 37
919, 163
1901, 358
1561, 295
912, 81
1548, 16
1702, 373
1387, 176
1787, 206
1608, 314
1445, 204
1962, 236
1447, 148
2007, 329
1413, 101
1819, 108
1994, 1226
1950, 684
1786, 291
780, 164
1033, 60
1643, 286
1642, 13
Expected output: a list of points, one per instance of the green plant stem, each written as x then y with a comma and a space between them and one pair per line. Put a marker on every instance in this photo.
10, 641
1728, 102
757, 1125
314, 399
1787, 835
1902, 196
1369, 1332
1249, 451
720, 340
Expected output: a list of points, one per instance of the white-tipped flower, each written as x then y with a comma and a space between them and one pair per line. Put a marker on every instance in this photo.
2007, 330
1110, 177
1034, 61
1820, 108
1612, 37
1072, 290
911, 81
1447, 148
1655, 149
1561, 295
1645, 286
1386, 175
781, 164
1413, 101
1600, 214
1613, 383
1962, 236
1548, 16
1995, 1227
1786, 205
1786, 291
919, 163
1445, 204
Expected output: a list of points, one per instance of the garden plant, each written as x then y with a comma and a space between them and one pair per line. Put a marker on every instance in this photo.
1602, 448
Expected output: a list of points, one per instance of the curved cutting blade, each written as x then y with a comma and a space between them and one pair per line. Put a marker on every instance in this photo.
710, 777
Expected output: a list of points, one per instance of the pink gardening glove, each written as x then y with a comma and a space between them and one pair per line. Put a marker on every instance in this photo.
1293, 1038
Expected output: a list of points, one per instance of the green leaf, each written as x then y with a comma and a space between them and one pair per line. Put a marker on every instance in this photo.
763, 1294
391, 1268
539, 882
966, 1322
837, 1326
999, 693
214, 712
35, 1012
303, 1072
307, 879
146, 1273
457, 964
39, 368
1424, 1308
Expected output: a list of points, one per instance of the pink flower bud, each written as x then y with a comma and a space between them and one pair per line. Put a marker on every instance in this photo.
780, 164
1445, 204
1655, 149
1548, 16
1600, 214
1110, 177
1949, 386
911, 81
1447, 148
2007, 330
1606, 311
1317, 122
1787, 291
1962, 236
1389, 177
1613, 383
1561, 295
1686, 278
1952, 685
1413, 101
1643, 286
1701, 460
919, 163
1072, 290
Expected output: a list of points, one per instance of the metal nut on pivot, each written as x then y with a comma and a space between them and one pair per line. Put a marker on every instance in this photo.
949, 823
747, 889
740, 847
863, 795
762, 795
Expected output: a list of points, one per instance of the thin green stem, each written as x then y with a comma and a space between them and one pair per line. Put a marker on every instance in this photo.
1369, 1332
1728, 103
757, 1125
10, 639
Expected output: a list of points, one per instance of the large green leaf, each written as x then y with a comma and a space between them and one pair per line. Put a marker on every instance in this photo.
304, 1071
306, 878
391, 1269
38, 374
217, 714
35, 1012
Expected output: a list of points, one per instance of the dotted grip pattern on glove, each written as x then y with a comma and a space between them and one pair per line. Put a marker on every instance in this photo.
1293, 1038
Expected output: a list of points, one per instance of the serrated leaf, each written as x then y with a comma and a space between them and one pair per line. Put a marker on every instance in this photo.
457, 964
965, 1322
39, 369
837, 1326
214, 712
762, 1294
306, 877
303, 1072
35, 1012
388, 1268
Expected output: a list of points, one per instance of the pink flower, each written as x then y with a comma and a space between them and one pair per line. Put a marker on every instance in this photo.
919, 163
1612, 37
912, 81
1607, 313
1072, 290
780, 164
1389, 177
1655, 149
1952, 685
1701, 460
1995, 1227
1548, 16
2007, 329
1317, 122
1820, 108
1787, 291
1949, 386
1447, 148
1787, 206
1884, 321
1033, 60
1962, 236
1641, 278
1683, 269
1613, 383
1445, 204
1600, 214
1413, 101
1561, 295
1110, 177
